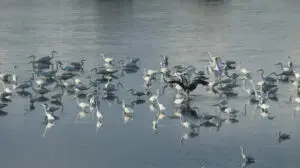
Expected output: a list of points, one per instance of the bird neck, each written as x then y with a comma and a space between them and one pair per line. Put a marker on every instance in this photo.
242, 152
262, 74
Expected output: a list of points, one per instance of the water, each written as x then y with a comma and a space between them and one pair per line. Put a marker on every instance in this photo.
259, 33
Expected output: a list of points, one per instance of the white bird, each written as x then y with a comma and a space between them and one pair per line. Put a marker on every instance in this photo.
126, 109
178, 87
98, 126
14, 76
49, 115
152, 108
77, 81
92, 103
82, 105
297, 74
40, 82
264, 107
163, 69
179, 100
186, 124
150, 72
264, 114
161, 115
127, 117
161, 107
107, 59
147, 78
81, 114
48, 126
154, 98
248, 159
155, 124
6, 89
244, 71
231, 111
297, 99
98, 113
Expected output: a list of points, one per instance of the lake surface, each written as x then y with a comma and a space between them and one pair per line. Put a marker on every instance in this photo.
259, 33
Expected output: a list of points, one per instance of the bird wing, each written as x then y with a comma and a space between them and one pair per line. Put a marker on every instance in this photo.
177, 82
202, 82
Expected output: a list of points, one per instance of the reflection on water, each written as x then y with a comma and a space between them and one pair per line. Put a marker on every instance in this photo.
256, 33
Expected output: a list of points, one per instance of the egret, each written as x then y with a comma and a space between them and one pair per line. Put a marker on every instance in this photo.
248, 159
82, 105
107, 59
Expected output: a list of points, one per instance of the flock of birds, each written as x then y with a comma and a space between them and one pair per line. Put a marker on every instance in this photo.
59, 79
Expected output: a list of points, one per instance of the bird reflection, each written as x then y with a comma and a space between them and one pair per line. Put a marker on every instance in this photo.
232, 120
3, 113
245, 164
139, 101
155, 123
48, 126
127, 117
99, 124
189, 135
81, 115
23, 93
42, 99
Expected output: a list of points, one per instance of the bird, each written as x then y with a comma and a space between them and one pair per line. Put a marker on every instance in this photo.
187, 124
51, 109
98, 113
133, 60
126, 108
3, 105
45, 59
107, 59
283, 136
187, 87
136, 93
161, 107
49, 115
245, 71
248, 159
78, 64
82, 105
68, 68
154, 97
268, 78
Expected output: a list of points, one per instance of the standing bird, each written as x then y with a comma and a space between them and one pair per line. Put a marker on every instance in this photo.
107, 59
165, 60
188, 87
82, 105
44, 60
136, 93
78, 64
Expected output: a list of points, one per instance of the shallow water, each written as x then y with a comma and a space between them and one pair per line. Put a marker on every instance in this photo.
259, 33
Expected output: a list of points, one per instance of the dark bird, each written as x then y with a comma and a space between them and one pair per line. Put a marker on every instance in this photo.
188, 87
